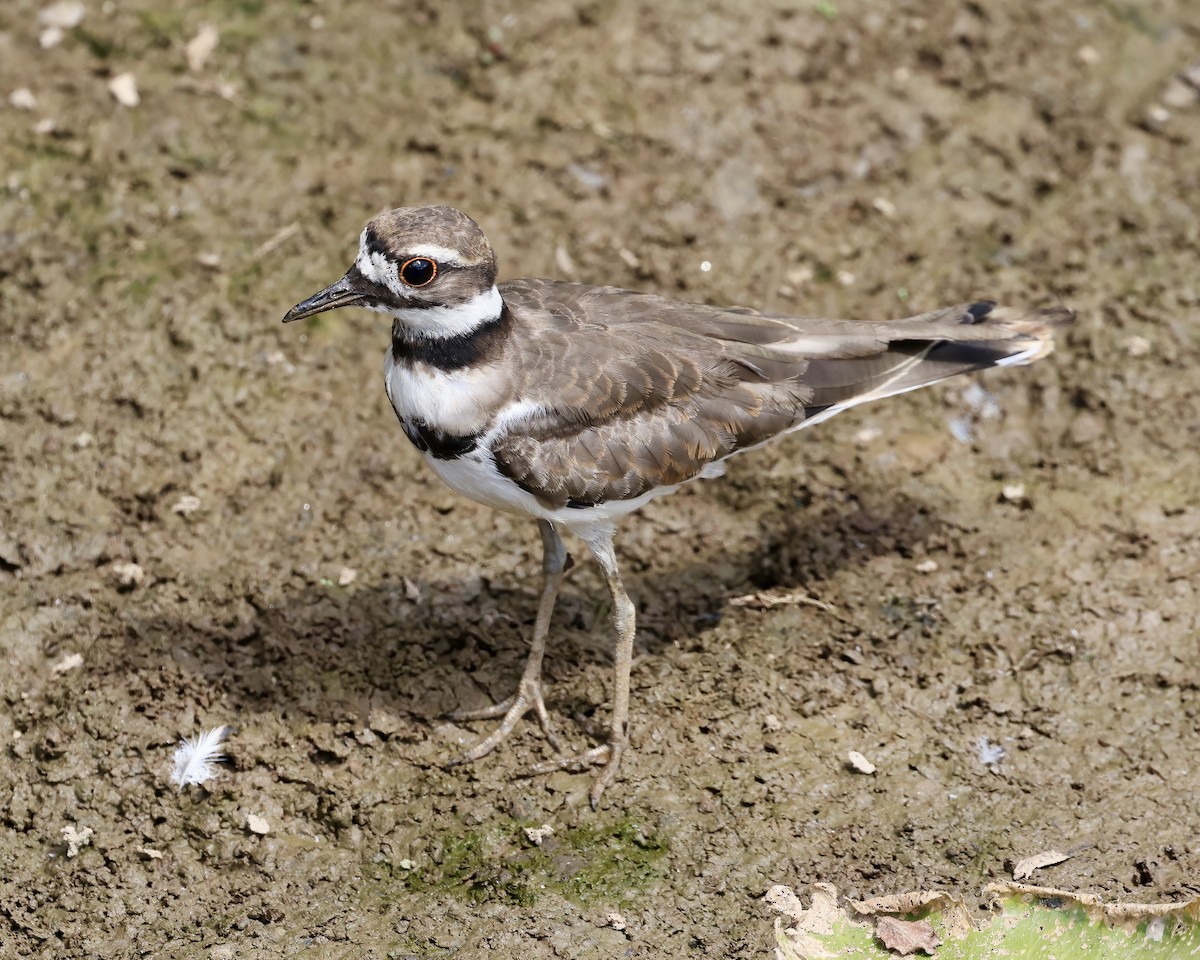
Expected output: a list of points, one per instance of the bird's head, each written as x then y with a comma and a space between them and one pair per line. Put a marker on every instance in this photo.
431, 268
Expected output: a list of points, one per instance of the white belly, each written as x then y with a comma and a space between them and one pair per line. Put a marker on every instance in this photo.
475, 475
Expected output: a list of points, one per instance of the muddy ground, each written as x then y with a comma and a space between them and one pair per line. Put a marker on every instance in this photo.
209, 518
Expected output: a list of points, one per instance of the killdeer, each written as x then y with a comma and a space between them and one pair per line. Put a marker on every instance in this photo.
576, 405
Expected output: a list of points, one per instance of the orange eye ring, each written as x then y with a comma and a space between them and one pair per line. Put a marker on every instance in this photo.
418, 271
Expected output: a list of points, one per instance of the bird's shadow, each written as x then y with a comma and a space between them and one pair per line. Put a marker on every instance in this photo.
427, 647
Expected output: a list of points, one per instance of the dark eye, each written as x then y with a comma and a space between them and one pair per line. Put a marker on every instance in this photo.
418, 271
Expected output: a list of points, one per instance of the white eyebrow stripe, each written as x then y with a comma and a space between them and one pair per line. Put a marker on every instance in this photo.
442, 255
432, 251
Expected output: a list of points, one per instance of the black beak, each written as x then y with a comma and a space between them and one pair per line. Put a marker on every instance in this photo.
345, 293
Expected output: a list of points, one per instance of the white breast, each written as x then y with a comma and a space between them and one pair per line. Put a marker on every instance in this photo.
459, 402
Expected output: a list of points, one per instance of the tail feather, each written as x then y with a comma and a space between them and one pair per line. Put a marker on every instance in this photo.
922, 350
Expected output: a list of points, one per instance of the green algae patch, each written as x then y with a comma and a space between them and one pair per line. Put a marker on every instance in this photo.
1023, 923
592, 864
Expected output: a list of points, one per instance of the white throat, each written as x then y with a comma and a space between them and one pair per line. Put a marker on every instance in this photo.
440, 322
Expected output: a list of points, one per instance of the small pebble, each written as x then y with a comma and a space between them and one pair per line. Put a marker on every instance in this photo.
859, 763
75, 839
1158, 115
128, 574
256, 824
124, 89
201, 47
64, 15
1137, 346
537, 835
884, 206
867, 436
799, 276
927, 566
23, 99
186, 505
1013, 491
69, 662
1179, 95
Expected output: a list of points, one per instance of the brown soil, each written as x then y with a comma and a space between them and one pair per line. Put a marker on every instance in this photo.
855, 158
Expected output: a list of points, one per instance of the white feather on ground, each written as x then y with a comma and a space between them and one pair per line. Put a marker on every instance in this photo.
195, 759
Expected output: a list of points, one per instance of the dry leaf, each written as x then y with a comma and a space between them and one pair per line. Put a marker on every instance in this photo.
1047, 859
784, 900
819, 919
906, 936
956, 917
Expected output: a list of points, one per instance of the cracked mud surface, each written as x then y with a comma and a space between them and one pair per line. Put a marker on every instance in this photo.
863, 159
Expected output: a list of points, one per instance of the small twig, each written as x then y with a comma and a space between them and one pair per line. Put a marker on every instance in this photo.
281, 237
765, 600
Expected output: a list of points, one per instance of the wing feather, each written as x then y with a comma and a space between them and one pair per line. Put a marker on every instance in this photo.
637, 391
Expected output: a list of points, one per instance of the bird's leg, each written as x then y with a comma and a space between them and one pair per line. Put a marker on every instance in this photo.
624, 619
555, 562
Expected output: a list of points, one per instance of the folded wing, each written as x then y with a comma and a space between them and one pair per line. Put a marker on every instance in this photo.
635, 391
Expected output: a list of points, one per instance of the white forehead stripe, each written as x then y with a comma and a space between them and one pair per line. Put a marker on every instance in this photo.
377, 268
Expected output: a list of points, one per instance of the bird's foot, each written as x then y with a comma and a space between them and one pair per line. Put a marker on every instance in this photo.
607, 756
528, 697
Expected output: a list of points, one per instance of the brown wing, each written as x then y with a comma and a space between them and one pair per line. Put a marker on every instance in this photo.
638, 391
